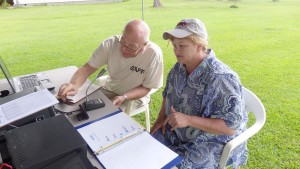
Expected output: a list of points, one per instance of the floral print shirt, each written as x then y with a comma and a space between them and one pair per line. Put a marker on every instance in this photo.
212, 90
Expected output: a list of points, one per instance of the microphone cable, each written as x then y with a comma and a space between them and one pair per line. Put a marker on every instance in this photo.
99, 75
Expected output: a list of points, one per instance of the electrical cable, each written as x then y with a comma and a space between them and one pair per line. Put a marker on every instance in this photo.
63, 112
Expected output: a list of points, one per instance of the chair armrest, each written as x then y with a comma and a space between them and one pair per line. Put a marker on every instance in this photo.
130, 104
238, 141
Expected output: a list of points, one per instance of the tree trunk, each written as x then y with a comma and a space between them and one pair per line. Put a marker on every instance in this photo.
157, 3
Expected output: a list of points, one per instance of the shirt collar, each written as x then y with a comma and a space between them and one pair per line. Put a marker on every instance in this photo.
200, 69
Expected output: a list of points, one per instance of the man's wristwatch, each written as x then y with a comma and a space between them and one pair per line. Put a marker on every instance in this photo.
125, 96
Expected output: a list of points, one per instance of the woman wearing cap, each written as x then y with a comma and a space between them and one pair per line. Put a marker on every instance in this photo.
202, 106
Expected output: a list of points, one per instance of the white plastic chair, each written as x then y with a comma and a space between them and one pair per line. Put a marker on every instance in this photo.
130, 110
144, 108
254, 105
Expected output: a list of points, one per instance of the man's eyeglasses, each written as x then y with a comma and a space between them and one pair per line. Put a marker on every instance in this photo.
123, 45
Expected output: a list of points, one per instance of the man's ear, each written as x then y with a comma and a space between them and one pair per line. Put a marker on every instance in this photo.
144, 47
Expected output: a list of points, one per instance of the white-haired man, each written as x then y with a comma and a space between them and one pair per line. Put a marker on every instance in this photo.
134, 64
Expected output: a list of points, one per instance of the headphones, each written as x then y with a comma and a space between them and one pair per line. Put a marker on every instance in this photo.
4, 93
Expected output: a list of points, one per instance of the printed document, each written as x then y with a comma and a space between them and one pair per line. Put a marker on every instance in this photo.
25, 105
82, 92
119, 142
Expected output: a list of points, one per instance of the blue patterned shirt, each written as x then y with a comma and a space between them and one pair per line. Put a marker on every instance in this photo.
212, 90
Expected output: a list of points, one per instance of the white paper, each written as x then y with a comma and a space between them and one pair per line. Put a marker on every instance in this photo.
82, 92
105, 132
142, 151
25, 105
138, 151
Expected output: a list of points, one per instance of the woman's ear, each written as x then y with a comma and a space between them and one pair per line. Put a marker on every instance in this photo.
199, 48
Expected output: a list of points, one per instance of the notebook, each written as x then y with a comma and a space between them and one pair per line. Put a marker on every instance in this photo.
40, 80
119, 142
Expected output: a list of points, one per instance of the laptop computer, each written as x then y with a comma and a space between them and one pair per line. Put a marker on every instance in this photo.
21, 83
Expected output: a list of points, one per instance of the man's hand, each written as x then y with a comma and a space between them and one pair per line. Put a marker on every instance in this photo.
118, 100
67, 89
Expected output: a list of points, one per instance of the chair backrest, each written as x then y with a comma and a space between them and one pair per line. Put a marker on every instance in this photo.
254, 105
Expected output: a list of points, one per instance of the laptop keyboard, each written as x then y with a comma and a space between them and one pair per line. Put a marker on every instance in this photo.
30, 81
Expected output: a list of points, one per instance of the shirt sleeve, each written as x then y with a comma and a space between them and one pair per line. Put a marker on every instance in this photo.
100, 55
226, 100
154, 75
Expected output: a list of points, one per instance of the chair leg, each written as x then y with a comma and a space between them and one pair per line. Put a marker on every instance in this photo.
147, 119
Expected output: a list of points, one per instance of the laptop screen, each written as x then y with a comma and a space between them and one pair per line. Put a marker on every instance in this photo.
7, 75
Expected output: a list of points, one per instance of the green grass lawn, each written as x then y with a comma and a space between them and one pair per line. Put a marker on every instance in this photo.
259, 40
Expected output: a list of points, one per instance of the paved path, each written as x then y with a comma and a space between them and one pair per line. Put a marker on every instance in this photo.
49, 2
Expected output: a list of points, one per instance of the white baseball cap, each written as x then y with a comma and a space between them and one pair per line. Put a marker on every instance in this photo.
186, 27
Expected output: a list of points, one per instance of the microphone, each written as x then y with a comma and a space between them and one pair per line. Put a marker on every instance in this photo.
88, 105
83, 115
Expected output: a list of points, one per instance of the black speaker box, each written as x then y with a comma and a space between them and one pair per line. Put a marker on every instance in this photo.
52, 143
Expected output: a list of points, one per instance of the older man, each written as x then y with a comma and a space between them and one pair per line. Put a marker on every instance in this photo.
134, 64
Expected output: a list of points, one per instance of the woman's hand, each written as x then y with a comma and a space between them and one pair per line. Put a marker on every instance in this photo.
158, 124
177, 119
